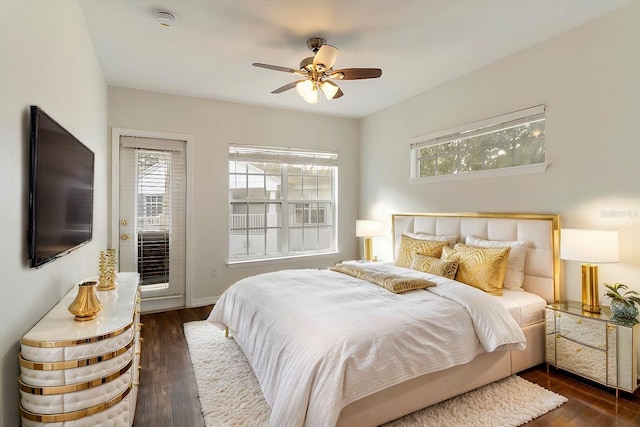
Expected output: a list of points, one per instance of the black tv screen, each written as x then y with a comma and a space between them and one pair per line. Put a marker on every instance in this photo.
60, 190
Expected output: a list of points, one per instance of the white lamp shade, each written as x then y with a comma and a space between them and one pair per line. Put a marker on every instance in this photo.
367, 228
589, 246
329, 89
308, 90
304, 88
326, 56
312, 97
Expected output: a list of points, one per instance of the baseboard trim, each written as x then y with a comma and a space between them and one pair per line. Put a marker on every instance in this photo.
199, 302
153, 305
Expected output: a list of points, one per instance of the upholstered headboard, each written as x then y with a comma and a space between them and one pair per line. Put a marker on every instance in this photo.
540, 231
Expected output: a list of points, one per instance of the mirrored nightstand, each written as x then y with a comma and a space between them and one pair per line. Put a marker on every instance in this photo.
595, 346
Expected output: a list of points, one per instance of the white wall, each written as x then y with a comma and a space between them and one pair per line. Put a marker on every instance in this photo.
589, 80
214, 125
48, 60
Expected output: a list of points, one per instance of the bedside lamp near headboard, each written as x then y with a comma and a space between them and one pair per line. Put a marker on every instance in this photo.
369, 229
591, 247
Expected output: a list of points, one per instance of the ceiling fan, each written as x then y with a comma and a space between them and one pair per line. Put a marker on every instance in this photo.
318, 72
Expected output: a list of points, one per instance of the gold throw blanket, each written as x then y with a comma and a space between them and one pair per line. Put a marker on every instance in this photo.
391, 282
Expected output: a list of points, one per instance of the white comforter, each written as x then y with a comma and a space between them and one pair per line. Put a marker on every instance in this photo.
318, 340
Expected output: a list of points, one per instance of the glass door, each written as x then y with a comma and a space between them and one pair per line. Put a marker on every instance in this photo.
152, 222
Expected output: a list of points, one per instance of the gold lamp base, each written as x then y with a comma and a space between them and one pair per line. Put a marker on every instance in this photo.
368, 249
590, 302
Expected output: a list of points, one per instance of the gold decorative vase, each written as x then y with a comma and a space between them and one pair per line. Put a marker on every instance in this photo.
107, 265
86, 306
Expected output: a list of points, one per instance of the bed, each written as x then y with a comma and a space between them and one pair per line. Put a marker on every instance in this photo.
330, 349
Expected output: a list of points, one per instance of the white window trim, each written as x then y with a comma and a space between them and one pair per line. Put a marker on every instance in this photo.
279, 260
491, 173
465, 131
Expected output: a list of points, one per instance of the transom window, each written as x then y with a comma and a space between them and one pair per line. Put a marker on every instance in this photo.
281, 202
514, 143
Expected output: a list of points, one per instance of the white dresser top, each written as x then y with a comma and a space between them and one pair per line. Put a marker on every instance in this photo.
58, 326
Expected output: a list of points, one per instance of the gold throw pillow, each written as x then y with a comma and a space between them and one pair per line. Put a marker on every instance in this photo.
437, 266
410, 246
483, 268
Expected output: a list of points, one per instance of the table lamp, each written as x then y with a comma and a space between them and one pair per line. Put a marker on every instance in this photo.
589, 247
369, 229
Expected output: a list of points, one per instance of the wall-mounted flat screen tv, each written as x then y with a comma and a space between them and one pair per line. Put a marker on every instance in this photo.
60, 190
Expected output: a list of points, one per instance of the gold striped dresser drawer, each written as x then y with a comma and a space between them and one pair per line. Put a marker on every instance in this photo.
83, 374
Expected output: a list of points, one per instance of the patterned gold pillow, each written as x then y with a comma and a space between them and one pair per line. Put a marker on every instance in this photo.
410, 246
437, 266
483, 268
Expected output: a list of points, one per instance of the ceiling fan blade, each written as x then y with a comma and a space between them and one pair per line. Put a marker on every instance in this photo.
326, 56
287, 87
274, 67
356, 73
338, 94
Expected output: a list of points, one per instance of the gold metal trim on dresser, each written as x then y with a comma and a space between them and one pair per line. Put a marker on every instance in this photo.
54, 366
555, 233
72, 416
62, 389
72, 343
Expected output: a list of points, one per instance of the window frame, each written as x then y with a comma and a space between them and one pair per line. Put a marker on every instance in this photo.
482, 127
287, 203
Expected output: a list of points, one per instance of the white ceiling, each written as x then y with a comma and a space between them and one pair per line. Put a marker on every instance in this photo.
419, 44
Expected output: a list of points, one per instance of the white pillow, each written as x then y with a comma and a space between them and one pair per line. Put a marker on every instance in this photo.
451, 238
514, 277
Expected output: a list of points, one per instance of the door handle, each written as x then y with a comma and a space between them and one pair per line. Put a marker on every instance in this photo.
126, 237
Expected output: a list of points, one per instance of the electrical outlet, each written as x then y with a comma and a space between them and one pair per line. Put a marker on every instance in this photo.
214, 272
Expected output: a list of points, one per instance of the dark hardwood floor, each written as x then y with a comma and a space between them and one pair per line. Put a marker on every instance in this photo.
589, 403
168, 396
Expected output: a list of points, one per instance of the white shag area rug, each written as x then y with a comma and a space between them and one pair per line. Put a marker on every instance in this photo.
231, 396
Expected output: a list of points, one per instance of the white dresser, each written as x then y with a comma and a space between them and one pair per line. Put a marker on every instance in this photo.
83, 374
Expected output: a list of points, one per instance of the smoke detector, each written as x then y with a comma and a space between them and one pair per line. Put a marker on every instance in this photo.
166, 19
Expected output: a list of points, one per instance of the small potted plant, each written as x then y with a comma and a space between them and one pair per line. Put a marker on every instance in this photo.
623, 305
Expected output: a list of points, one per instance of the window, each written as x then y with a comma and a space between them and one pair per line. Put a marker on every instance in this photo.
151, 208
153, 183
510, 144
281, 202
309, 213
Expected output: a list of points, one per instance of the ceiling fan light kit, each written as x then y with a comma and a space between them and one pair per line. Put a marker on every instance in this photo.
318, 71
329, 89
307, 90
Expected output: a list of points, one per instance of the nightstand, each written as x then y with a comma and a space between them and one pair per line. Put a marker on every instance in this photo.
594, 346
